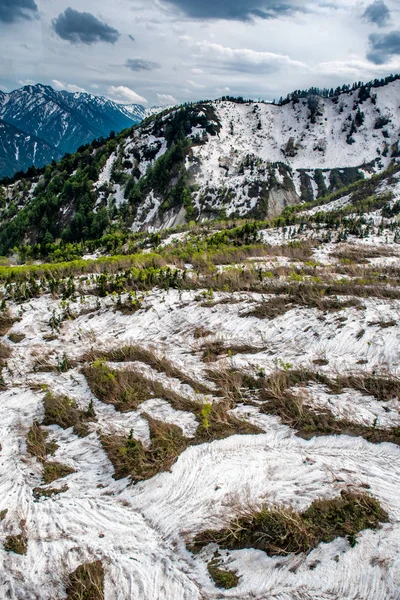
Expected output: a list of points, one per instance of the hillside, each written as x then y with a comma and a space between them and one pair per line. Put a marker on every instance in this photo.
207, 160
210, 412
61, 122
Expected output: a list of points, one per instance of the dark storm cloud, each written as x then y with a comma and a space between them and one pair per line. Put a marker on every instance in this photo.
14, 10
377, 13
138, 64
239, 10
383, 46
83, 27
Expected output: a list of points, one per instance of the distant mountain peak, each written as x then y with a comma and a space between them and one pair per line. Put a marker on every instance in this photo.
62, 120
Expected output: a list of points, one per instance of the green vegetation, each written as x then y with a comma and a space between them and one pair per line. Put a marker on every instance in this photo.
55, 470
131, 353
280, 531
127, 389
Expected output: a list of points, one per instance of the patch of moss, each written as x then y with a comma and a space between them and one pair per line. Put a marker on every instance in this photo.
222, 578
55, 470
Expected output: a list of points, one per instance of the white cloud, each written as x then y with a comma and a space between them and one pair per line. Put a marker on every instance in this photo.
23, 82
195, 85
166, 100
70, 87
197, 72
124, 94
356, 68
246, 59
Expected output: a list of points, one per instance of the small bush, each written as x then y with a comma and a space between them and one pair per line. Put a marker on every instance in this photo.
86, 582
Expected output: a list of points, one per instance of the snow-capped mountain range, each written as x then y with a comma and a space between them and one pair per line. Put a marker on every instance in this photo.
222, 158
57, 122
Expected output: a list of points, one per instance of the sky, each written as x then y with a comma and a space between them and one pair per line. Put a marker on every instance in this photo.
162, 52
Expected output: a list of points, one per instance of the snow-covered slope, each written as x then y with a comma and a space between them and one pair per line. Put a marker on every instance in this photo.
257, 158
141, 532
232, 158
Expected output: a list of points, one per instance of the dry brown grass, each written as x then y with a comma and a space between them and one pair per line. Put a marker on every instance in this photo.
64, 412
201, 332
6, 322
280, 531
130, 457
5, 352
229, 382
37, 444
150, 357
16, 543
127, 389
216, 349
360, 254
47, 492
86, 582
304, 295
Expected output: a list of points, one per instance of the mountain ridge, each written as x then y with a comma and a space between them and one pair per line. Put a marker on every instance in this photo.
205, 160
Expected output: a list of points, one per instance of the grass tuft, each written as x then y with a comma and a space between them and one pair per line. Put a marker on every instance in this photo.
281, 531
62, 411
130, 457
37, 444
